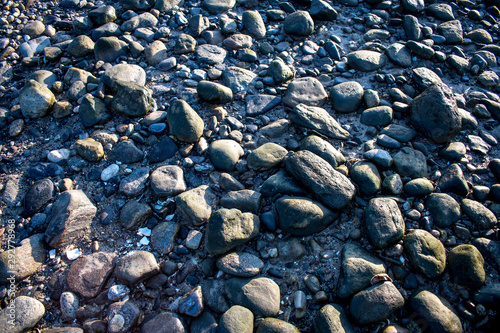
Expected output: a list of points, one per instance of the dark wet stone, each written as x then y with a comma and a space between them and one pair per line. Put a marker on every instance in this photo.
88, 274
481, 216
444, 210
425, 253
332, 318
240, 264
465, 264
126, 152
260, 104
384, 222
299, 23
165, 322
260, 295
38, 195
163, 150
453, 180
318, 119
410, 162
366, 176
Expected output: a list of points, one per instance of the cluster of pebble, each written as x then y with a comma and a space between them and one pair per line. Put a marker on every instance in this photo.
238, 166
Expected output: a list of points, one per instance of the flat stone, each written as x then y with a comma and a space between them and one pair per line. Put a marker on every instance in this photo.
266, 156
410, 162
401, 133
418, 187
302, 217
134, 213
465, 264
377, 116
244, 200
376, 303
135, 184
164, 322
122, 316
281, 183
366, 176
163, 150
384, 222
305, 90
481, 216
332, 318
196, 204
191, 304
236, 319
330, 186
425, 253
136, 266
425, 77
228, 228
27, 313
435, 313
366, 61
210, 54
260, 295
72, 214
28, 257
452, 31
260, 104
379, 156
238, 79
126, 152
276, 325
358, 267
168, 180
126, 73
399, 54
87, 275
163, 237
218, 6
240, 264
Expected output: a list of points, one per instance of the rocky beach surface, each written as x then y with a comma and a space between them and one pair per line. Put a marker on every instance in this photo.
240, 166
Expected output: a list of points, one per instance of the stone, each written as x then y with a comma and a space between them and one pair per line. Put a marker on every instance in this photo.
358, 267
38, 195
453, 180
34, 46
441, 11
330, 186
434, 313
280, 71
425, 253
184, 122
380, 157
93, 111
418, 187
302, 217
24, 261
35, 100
225, 153
260, 295
266, 156
228, 228
306, 90
322, 10
332, 318
323, 149
163, 236
125, 73
399, 132
134, 213
184, 44
465, 264
270, 325
210, 54
377, 116
240, 264
399, 54
132, 99
244, 200
135, 183
254, 24
236, 319
481, 216
108, 49
204, 323
163, 150
89, 149
215, 93
237, 42
281, 183
168, 180
444, 210
454, 151
27, 312
81, 46
69, 304
375, 303
218, 6
452, 31
136, 266
102, 15
191, 304
413, 6
410, 162
366, 61
164, 322
393, 184
424, 78
238, 79
366, 176
213, 295
260, 104
156, 52
346, 96
126, 152
299, 23
384, 222
71, 215
122, 316
87, 275
33, 29
434, 112
318, 119
196, 204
